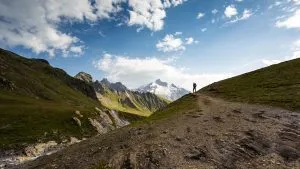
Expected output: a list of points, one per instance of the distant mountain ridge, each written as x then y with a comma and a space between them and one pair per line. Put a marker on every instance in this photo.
117, 96
163, 89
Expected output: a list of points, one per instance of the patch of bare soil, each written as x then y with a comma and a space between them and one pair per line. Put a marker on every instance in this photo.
219, 135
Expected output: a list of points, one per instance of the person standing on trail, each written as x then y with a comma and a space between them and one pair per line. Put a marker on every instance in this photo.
194, 87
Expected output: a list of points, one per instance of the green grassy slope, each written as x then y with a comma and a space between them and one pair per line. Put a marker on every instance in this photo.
111, 100
141, 104
37, 102
276, 85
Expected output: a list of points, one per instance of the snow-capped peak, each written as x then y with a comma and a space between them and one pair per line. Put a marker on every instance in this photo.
169, 91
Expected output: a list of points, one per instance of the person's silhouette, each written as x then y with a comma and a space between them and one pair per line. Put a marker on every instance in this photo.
194, 87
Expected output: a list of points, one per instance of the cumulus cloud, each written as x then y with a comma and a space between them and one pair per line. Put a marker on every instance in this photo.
34, 24
77, 49
292, 21
246, 15
173, 43
105, 8
170, 3
150, 13
135, 72
170, 43
230, 11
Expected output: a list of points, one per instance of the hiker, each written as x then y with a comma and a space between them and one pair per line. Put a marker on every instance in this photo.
194, 87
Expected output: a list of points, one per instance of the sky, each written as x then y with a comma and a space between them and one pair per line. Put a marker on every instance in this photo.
139, 41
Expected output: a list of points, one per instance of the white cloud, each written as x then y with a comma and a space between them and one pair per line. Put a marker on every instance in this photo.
214, 11
270, 62
135, 72
190, 41
170, 3
230, 11
246, 15
200, 15
173, 43
150, 13
203, 29
105, 8
170, 43
77, 49
34, 24
292, 21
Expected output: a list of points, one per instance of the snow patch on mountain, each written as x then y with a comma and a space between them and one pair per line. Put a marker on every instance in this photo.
168, 91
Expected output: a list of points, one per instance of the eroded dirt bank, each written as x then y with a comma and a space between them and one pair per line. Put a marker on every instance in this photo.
219, 134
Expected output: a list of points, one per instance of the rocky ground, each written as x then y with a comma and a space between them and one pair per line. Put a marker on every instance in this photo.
219, 134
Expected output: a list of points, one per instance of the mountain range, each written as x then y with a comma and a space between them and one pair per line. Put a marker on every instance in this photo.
116, 96
163, 89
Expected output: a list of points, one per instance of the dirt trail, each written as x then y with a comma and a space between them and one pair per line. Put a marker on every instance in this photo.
219, 134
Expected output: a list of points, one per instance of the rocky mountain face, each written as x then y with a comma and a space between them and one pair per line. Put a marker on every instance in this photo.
168, 91
118, 97
84, 77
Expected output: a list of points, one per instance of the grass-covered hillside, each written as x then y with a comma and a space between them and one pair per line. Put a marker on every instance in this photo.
276, 85
37, 102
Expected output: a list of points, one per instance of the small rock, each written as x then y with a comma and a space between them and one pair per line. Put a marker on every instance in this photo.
78, 122
197, 154
74, 140
77, 112
218, 119
237, 111
188, 129
178, 139
259, 115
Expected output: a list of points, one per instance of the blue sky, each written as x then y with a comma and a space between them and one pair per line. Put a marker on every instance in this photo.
136, 42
